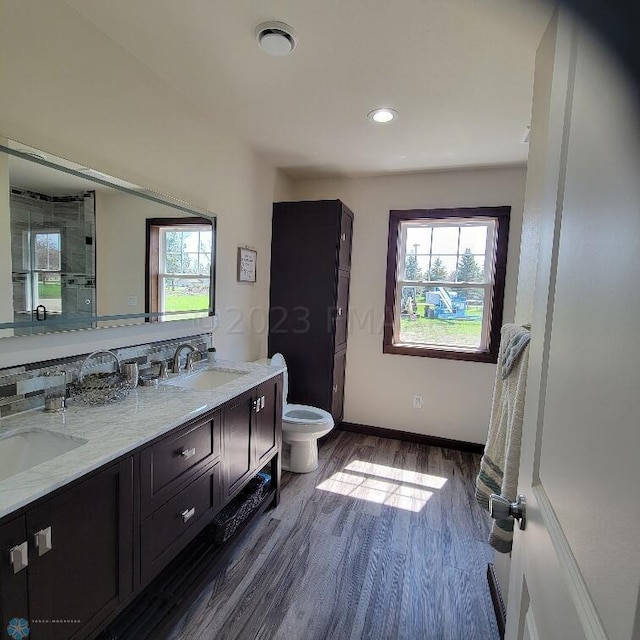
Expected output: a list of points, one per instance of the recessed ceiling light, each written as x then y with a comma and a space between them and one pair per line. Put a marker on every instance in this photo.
276, 38
382, 115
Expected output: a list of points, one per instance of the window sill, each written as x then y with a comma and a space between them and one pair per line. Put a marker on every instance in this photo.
445, 354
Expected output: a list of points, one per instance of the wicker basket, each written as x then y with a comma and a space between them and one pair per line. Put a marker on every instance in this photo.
225, 524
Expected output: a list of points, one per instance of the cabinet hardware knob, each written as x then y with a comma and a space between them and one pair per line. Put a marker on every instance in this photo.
340, 311
335, 388
188, 453
187, 514
343, 237
256, 405
43, 541
19, 556
262, 402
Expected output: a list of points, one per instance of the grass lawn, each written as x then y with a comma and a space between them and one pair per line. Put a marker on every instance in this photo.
49, 290
441, 332
178, 302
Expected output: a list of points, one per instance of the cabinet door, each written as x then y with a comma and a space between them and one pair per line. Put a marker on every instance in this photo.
342, 309
89, 567
337, 402
267, 420
13, 586
237, 442
346, 228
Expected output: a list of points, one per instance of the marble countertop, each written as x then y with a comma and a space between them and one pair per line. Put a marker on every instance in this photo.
114, 430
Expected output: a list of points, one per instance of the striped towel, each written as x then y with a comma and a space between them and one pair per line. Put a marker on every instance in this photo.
501, 460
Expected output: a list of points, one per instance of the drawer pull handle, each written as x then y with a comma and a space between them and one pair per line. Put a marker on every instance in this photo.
343, 237
43, 541
188, 453
335, 388
19, 557
262, 402
340, 311
187, 514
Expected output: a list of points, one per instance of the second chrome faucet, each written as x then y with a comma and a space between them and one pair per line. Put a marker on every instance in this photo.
176, 357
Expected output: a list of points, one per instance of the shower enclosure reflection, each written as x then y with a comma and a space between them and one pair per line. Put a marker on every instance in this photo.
53, 260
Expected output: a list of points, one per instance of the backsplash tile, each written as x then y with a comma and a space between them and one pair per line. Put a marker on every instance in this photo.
22, 388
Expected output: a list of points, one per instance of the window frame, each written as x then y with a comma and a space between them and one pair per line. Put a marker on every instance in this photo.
153, 273
501, 215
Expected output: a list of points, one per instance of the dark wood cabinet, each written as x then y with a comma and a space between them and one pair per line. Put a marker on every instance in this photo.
238, 454
90, 547
189, 474
309, 298
266, 437
80, 557
252, 433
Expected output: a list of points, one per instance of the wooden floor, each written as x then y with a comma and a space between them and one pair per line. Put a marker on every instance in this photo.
383, 541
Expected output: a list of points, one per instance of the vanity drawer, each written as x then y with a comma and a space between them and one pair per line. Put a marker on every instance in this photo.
171, 463
165, 533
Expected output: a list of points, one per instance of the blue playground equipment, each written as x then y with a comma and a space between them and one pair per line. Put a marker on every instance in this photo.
445, 306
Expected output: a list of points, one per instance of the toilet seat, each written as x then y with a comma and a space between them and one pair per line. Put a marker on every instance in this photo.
305, 414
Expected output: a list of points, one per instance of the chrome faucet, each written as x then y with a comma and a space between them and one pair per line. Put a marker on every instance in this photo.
176, 357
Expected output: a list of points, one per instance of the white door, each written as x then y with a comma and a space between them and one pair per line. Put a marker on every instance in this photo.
575, 570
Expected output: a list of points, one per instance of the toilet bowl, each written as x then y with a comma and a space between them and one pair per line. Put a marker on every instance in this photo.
302, 425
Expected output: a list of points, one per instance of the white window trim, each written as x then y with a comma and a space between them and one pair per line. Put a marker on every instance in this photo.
162, 260
490, 224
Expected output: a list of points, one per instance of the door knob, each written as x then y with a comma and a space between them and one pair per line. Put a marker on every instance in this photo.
500, 509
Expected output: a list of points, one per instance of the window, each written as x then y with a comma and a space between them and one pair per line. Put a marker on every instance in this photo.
180, 259
43, 264
445, 282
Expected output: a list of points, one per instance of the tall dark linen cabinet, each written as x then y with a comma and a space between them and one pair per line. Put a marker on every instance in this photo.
309, 298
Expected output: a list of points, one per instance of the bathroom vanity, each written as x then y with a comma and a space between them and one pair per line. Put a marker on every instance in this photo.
83, 533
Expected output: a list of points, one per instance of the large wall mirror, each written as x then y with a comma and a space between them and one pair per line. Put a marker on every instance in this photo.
82, 250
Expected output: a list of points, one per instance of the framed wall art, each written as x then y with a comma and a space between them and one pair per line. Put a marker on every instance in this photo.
247, 259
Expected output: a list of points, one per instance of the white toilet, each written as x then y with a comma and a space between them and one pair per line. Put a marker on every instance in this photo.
302, 425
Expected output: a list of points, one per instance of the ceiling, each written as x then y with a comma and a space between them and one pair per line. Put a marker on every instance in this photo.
458, 72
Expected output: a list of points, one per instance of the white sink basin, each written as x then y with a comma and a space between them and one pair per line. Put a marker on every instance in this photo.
27, 449
205, 379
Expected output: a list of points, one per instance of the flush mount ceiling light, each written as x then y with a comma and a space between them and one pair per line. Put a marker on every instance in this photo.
276, 38
382, 115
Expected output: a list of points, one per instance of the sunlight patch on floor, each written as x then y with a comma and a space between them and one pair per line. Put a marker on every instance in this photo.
389, 486
396, 473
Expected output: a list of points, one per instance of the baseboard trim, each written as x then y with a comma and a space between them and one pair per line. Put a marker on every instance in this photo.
496, 598
408, 436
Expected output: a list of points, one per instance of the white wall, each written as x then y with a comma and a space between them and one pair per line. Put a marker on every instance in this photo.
379, 387
68, 89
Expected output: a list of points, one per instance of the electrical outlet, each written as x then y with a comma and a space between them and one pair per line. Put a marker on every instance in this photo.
417, 401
